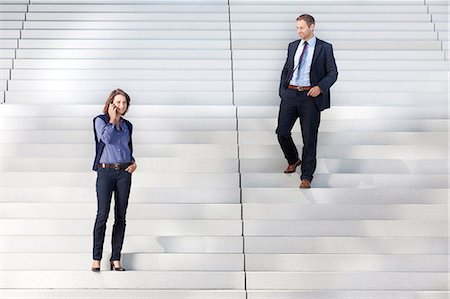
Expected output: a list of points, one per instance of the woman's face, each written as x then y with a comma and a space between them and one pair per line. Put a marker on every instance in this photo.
121, 103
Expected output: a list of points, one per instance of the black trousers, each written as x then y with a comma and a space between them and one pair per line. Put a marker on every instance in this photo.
111, 181
296, 104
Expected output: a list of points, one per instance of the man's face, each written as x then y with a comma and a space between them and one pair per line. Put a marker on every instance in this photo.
304, 31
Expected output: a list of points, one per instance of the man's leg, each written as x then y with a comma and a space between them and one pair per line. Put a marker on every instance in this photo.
309, 122
286, 119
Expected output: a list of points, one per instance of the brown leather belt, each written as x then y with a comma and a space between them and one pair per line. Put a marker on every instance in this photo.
115, 166
300, 88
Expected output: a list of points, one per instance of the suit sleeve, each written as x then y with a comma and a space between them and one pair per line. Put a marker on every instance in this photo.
130, 143
331, 70
284, 74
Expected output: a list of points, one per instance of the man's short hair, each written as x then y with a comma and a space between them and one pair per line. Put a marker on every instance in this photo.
308, 19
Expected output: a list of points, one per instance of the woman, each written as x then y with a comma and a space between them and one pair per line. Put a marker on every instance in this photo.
114, 164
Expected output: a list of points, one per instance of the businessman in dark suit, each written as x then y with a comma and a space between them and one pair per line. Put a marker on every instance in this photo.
309, 72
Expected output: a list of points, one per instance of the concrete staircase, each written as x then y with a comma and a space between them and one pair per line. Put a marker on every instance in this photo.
211, 214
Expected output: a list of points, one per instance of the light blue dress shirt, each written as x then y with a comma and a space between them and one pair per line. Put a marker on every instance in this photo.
116, 141
301, 73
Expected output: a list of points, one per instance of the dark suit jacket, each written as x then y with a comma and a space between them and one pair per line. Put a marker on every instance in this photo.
323, 71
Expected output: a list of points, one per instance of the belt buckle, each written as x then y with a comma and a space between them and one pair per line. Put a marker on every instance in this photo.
299, 88
116, 166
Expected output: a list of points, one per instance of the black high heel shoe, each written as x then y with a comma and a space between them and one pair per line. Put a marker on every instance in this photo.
114, 268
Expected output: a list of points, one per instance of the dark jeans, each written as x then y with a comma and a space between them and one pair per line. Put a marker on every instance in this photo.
296, 104
109, 181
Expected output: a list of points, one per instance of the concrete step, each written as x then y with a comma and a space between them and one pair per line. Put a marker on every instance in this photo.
128, 85
142, 25
349, 112
130, 261
443, 36
124, 74
214, 35
229, 124
286, 25
321, 7
173, 165
210, 151
147, 137
187, 35
155, 7
228, 137
157, 165
324, 8
346, 245
9, 6
12, 16
355, 45
257, 211
130, 279
220, 44
344, 65
153, 124
4, 74
205, 151
347, 281
264, 75
342, 196
9, 43
135, 211
219, 54
159, 111
235, 26
354, 180
222, 98
133, 64
143, 179
6, 63
330, 166
272, 86
132, 245
141, 16
442, 26
6, 53
150, 97
331, 17
342, 54
201, 54
327, 125
439, 17
331, 35
151, 64
348, 98
345, 263
345, 294
125, 294
9, 33
212, 44
351, 152
160, 227
344, 228
10, 24
190, 194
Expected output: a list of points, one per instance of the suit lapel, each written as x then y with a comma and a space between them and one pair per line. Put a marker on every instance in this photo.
294, 46
317, 51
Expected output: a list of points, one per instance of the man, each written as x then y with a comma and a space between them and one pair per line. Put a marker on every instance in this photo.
309, 72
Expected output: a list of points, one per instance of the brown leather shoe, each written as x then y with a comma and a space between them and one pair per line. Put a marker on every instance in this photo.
292, 167
305, 184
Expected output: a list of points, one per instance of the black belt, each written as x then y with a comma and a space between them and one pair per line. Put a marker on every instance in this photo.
115, 166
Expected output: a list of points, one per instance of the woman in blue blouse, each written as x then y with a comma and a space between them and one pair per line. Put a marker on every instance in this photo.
114, 164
